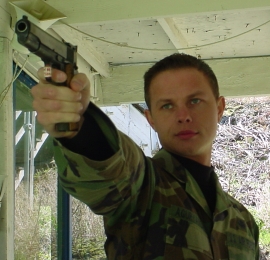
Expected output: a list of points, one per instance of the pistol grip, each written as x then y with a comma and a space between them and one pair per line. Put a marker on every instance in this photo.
67, 127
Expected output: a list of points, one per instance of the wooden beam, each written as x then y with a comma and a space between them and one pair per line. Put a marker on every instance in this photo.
243, 77
175, 35
85, 49
83, 11
237, 77
6, 139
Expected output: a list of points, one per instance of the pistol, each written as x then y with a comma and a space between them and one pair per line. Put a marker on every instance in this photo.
54, 54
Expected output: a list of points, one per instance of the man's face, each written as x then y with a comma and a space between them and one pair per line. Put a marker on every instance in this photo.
185, 113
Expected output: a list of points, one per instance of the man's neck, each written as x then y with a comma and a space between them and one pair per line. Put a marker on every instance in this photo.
201, 159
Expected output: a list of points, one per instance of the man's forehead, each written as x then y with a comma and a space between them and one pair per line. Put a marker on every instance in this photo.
183, 77
187, 95
182, 73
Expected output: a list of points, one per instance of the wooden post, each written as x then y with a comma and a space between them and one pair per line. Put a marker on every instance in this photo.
6, 137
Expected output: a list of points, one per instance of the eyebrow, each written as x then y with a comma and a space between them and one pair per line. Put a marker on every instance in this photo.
167, 100
197, 93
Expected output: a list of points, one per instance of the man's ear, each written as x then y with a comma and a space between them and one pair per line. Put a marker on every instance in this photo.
149, 118
221, 107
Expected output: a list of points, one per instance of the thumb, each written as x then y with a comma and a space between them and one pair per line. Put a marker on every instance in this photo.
80, 82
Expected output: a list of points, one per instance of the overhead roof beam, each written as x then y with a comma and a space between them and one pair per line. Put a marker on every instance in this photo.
237, 77
104, 10
85, 49
176, 37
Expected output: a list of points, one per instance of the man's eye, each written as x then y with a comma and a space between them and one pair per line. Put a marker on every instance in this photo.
167, 106
195, 101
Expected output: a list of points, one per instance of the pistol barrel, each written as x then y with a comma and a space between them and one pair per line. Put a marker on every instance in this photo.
44, 45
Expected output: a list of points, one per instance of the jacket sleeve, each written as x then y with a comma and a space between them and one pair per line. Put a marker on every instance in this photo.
108, 186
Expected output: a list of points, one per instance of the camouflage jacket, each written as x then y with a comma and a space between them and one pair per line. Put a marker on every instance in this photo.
153, 208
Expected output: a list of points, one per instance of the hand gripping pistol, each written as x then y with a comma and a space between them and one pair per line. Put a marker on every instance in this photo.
54, 54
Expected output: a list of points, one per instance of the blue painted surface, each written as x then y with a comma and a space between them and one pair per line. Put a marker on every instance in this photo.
24, 78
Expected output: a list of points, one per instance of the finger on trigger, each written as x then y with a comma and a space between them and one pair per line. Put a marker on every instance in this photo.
45, 73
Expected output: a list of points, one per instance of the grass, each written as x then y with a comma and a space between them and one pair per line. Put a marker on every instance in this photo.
35, 229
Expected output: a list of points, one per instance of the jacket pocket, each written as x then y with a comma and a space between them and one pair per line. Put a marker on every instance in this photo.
185, 237
240, 248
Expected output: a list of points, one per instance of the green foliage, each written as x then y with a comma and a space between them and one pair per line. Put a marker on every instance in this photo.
92, 249
35, 233
264, 227
265, 237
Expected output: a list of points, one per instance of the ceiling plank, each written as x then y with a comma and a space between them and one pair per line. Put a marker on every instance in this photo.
83, 11
176, 37
85, 49
237, 77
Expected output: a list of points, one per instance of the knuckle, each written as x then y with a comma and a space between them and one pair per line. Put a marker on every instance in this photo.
79, 107
76, 117
35, 91
56, 105
40, 118
51, 92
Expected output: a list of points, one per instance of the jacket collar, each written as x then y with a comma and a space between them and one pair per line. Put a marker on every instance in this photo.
171, 165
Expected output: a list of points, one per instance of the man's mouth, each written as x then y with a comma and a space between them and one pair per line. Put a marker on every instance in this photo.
186, 134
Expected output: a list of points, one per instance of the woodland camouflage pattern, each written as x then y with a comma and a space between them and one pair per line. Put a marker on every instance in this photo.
153, 209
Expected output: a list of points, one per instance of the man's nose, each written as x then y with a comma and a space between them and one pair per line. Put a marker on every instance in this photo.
183, 115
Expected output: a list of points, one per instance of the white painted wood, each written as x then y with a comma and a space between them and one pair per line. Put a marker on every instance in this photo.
19, 179
237, 77
131, 122
243, 77
88, 52
175, 35
40, 143
96, 90
128, 42
6, 138
120, 32
19, 135
81, 11
231, 34
3, 187
155, 143
124, 86
140, 130
220, 34
17, 114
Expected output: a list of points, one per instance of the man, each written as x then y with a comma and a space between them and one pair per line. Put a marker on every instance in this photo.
170, 206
